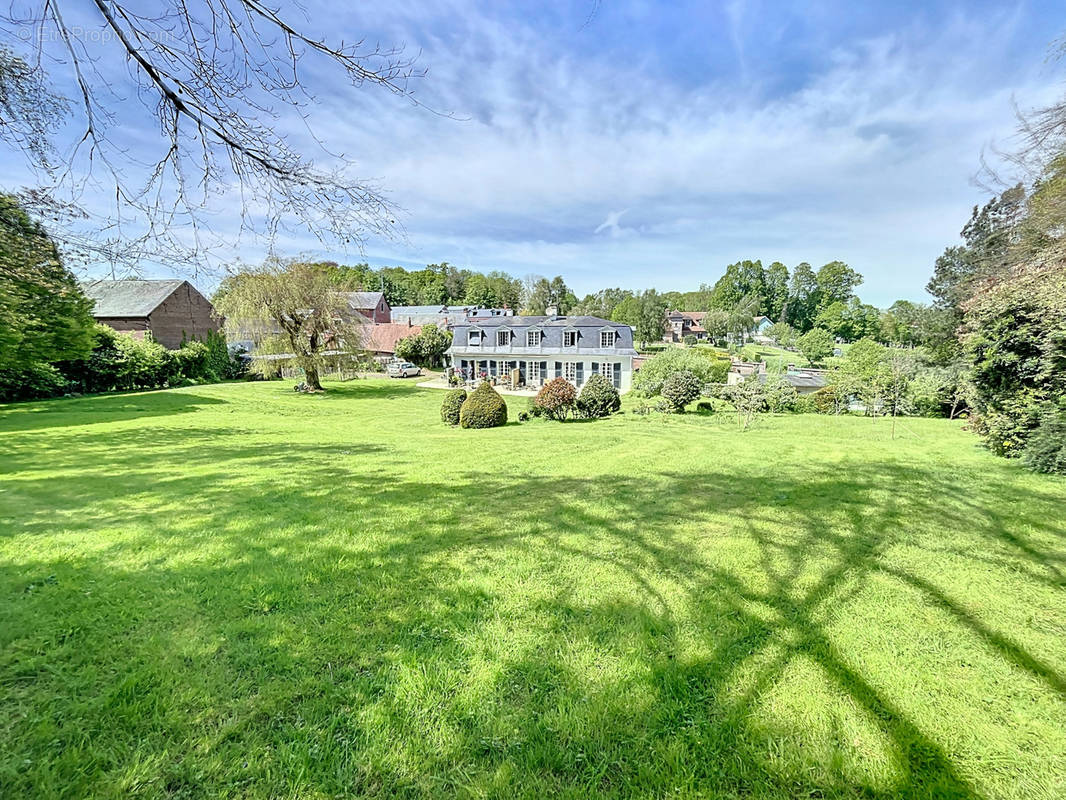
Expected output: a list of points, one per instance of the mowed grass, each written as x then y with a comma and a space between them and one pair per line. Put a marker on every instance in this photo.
235, 591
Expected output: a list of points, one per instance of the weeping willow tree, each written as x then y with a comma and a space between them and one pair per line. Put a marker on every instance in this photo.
292, 309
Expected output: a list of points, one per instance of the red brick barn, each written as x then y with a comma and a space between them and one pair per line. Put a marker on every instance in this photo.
371, 305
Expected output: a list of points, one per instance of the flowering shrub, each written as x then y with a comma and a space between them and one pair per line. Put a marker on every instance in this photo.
556, 399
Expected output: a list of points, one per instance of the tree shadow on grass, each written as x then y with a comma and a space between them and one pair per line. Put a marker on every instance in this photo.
340, 632
77, 411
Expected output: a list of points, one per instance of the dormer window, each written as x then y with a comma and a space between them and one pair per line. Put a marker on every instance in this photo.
569, 338
474, 338
532, 338
607, 339
503, 338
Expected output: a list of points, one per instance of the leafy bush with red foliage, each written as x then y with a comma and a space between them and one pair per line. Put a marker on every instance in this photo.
556, 398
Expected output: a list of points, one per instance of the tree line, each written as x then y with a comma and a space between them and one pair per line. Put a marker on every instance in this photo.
803, 299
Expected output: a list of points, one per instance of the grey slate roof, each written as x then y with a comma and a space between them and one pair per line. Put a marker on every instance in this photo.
439, 308
430, 315
131, 298
588, 335
363, 301
803, 380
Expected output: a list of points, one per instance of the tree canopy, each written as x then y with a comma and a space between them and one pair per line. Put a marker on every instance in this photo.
293, 308
44, 316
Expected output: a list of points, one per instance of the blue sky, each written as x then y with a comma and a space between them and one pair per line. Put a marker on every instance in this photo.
644, 144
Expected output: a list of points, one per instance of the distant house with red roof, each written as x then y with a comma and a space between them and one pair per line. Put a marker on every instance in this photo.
680, 324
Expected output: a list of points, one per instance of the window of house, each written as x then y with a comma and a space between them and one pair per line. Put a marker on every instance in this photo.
532, 338
474, 338
570, 371
533, 372
503, 338
607, 371
606, 339
569, 338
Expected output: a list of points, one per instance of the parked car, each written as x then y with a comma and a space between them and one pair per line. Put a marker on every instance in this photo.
402, 369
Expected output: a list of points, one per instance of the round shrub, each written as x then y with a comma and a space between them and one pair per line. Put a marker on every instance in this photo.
483, 408
825, 400
449, 409
780, 394
680, 389
556, 398
598, 398
704, 407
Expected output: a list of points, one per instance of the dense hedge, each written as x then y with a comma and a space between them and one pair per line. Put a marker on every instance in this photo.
120, 362
32, 382
483, 408
555, 400
1015, 335
1045, 450
598, 398
453, 403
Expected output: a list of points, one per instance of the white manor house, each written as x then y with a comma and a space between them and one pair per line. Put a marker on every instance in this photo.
542, 348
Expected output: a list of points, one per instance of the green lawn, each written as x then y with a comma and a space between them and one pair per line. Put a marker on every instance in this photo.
235, 591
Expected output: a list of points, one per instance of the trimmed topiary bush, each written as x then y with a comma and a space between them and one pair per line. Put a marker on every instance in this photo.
483, 408
680, 389
449, 409
598, 398
556, 399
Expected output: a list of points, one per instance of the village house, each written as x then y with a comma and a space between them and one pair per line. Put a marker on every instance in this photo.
680, 324
542, 348
171, 311
761, 331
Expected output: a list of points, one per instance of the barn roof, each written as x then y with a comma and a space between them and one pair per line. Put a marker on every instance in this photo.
363, 301
382, 338
131, 298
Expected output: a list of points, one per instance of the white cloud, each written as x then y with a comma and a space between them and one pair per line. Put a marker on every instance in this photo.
865, 155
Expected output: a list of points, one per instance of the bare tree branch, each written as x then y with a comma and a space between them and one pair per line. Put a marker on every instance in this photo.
223, 80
